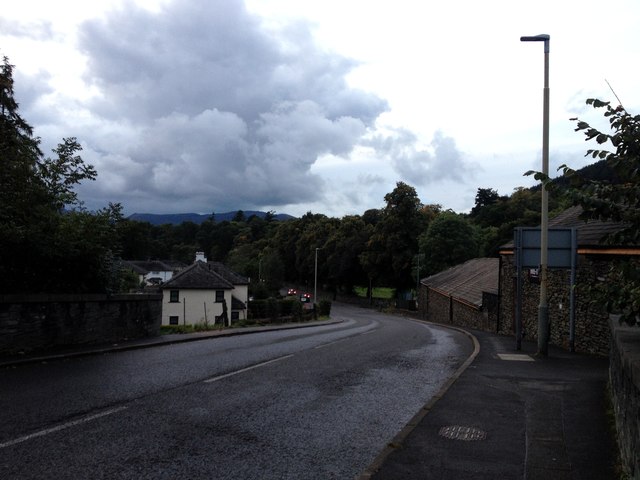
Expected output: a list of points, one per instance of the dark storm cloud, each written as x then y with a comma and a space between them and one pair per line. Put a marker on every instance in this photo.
220, 113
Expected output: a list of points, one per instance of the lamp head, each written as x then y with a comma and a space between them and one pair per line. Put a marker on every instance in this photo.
538, 38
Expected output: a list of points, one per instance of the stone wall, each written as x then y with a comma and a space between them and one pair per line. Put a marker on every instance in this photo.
439, 307
624, 375
592, 334
30, 323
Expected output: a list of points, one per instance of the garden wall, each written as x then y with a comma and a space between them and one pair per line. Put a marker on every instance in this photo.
30, 323
624, 375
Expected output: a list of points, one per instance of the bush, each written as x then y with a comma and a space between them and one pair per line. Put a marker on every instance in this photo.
297, 312
273, 309
324, 308
169, 329
287, 306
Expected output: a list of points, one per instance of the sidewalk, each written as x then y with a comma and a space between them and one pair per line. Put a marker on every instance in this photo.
85, 350
510, 416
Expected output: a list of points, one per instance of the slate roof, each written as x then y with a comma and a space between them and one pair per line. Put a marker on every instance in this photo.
592, 233
237, 304
200, 275
468, 280
144, 267
228, 274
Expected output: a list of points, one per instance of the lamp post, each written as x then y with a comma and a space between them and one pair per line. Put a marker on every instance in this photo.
543, 308
315, 280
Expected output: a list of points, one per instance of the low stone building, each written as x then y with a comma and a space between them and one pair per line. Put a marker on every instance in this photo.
591, 333
465, 295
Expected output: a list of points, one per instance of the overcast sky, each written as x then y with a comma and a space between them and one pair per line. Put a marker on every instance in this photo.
305, 105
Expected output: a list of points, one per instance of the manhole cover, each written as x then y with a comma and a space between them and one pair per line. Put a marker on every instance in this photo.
458, 432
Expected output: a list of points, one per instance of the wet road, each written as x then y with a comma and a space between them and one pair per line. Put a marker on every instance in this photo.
317, 402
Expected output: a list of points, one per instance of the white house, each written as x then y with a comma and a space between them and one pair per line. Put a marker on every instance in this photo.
153, 272
205, 293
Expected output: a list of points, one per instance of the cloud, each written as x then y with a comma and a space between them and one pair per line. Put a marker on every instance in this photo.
422, 166
204, 109
33, 30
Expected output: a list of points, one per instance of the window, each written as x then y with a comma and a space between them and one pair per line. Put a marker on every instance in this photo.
174, 296
235, 315
173, 320
219, 296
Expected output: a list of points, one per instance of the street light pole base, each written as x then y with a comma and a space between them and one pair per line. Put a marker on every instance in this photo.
543, 331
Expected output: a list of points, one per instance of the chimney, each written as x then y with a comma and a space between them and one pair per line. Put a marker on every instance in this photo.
200, 257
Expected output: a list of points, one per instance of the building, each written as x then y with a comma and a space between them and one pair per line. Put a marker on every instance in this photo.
576, 321
153, 272
206, 293
465, 295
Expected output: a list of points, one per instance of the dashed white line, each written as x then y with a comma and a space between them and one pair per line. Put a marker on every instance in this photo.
342, 339
257, 365
63, 426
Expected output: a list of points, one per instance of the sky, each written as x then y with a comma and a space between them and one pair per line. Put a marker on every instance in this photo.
302, 106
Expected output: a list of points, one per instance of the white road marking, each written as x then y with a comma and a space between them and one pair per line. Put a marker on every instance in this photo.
323, 345
242, 370
42, 433
518, 357
329, 344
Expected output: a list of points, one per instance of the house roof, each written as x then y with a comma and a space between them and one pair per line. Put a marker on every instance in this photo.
228, 274
468, 280
200, 275
237, 304
143, 267
592, 233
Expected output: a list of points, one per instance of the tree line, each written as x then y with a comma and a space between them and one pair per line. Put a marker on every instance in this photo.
51, 243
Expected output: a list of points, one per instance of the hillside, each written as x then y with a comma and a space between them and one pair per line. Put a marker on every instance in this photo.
178, 218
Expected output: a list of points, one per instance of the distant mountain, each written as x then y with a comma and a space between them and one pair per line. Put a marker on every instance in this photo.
178, 218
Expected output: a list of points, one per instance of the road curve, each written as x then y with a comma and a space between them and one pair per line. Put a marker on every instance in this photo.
318, 402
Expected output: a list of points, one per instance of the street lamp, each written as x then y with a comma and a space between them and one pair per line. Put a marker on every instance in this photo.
543, 308
315, 281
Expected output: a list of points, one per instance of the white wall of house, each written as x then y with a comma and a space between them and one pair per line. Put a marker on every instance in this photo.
163, 275
193, 307
241, 292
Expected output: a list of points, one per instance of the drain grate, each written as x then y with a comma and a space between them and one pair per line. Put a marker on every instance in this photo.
458, 432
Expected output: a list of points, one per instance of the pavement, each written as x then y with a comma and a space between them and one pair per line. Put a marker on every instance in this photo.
505, 414
508, 414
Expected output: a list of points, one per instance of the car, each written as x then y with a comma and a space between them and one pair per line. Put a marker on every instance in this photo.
305, 297
292, 291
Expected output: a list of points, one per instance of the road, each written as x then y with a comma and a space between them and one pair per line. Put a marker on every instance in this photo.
311, 403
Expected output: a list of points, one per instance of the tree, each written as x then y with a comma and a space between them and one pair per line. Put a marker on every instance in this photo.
604, 200
484, 198
449, 240
340, 253
389, 252
49, 243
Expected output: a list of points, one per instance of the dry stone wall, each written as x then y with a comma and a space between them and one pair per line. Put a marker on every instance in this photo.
592, 334
46, 322
624, 374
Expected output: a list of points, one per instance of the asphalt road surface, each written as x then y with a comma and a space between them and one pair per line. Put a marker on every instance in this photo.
311, 403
